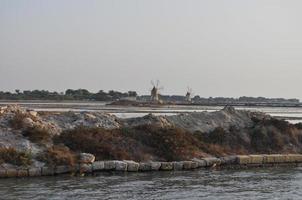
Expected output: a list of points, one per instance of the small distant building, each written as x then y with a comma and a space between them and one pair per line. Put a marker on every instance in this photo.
130, 98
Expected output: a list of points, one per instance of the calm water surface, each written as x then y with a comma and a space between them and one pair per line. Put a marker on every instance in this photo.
277, 183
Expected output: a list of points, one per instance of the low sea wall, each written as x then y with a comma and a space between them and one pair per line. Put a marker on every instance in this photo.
238, 161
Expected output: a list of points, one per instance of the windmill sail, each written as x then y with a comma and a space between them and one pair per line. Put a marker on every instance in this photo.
188, 96
155, 91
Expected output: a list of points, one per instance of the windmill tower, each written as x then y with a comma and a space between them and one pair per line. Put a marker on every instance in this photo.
155, 91
189, 94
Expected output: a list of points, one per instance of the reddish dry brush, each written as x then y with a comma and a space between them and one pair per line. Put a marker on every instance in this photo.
37, 135
275, 136
58, 155
12, 156
265, 136
17, 121
167, 143
139, 143
150, 142
104, 144
221, 142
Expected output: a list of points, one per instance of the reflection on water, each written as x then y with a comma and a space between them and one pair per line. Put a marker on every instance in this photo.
279, 183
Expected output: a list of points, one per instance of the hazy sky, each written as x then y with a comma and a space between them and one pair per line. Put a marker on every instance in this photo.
217, 47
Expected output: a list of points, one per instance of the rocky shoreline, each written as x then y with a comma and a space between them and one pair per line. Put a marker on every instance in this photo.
52, 143
237, 161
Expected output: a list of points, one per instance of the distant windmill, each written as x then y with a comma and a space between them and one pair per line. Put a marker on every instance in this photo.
189, 94
155, 91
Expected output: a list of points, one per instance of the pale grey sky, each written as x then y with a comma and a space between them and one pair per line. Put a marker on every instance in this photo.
217, 47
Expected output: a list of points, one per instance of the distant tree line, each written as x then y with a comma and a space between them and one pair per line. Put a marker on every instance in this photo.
224, 100
244, 99
111, 95
69, 94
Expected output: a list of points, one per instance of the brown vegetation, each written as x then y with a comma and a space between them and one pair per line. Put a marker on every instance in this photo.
265, 136
104, 144
275, 135
167, 143
58, 155
12, 156
150, 142
298, 125
139, 143
17, 121
37, 134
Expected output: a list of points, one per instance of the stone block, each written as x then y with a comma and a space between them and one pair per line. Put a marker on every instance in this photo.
212, 161
155, 166
47, 171
289, 158
275, 158
98, 166
2, 173
194, 165
132, 166
85, 168
187, 165
120, 166
279, 158
178, 165
33, 113
294, 158
269, 159
228, 160
256, 159
22, 172
243, 159
87, 158
64, 169
166, 166
299, 158
109, 165
145, 167
11, 173
200, 163
35, 171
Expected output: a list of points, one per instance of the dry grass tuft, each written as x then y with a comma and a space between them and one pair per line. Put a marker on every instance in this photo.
58, 155
150, 142
37, 135
12, 156
138, 143
104, 144
17, 121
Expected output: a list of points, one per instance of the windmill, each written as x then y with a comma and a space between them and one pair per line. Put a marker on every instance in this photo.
155, 91
189, 94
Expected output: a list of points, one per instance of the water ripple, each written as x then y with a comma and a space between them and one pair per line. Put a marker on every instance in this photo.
283, 183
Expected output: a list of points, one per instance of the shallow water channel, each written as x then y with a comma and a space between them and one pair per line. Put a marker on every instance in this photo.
270, 183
